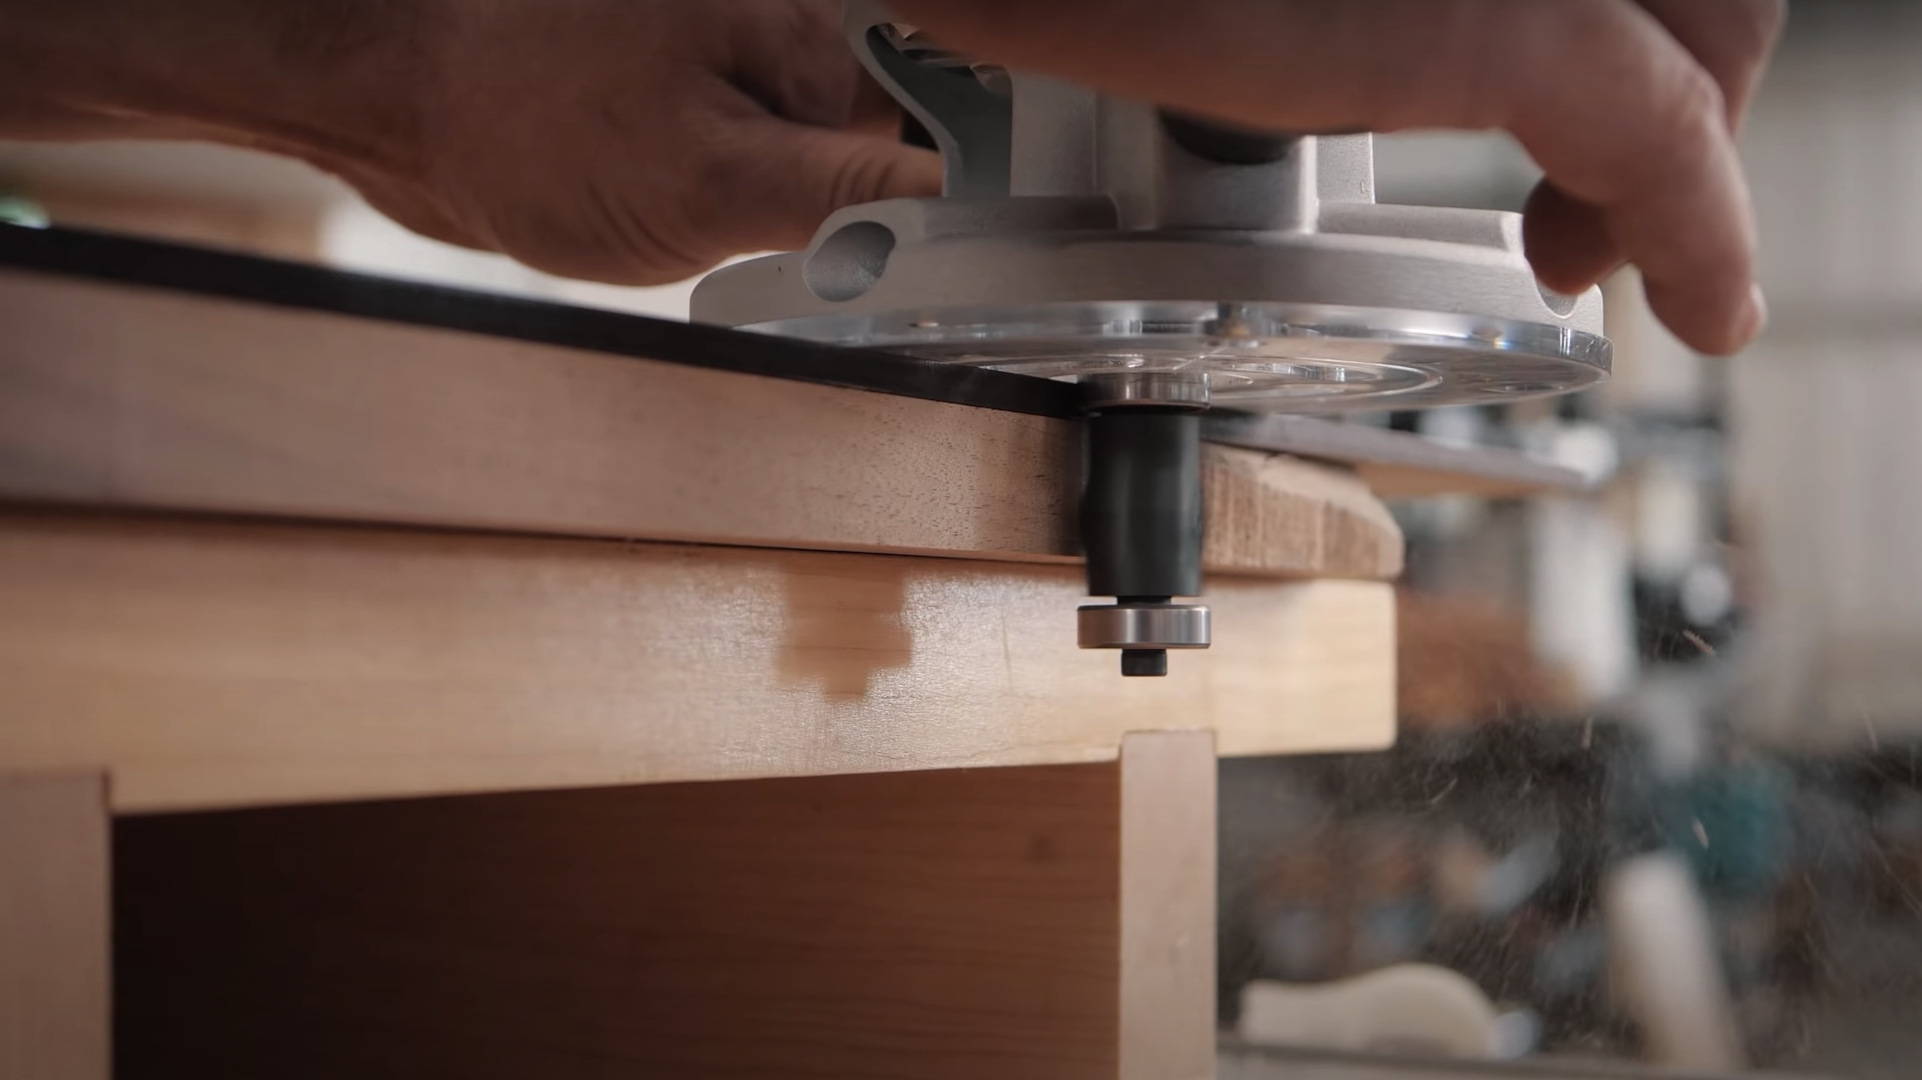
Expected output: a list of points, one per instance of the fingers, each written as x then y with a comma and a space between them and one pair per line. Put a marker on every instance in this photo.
1652, 153
791, 58
874, 109
1618, 112
1568, 240
1731, 39
782, 179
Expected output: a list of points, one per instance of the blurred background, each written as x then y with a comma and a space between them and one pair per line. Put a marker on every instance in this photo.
1657, 795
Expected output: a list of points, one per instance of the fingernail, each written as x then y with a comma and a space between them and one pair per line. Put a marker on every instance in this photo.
1754, 317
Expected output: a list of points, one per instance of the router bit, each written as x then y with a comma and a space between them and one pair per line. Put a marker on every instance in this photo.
1141, 516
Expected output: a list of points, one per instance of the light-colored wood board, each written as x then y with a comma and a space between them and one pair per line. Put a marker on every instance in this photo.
957, 923
1397, 482
220, 664
1271, 514
1168, 844
54, 926
117, 396
1246, 1061
1398, 465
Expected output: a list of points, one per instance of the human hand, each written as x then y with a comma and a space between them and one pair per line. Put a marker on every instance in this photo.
1629, 106
632, 141
642, 142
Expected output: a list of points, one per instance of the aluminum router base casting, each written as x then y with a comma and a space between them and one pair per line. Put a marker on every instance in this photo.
1403, 307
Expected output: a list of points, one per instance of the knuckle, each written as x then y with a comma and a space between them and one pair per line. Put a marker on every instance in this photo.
1588, 23
1649, 114
1688, 104
1678, 131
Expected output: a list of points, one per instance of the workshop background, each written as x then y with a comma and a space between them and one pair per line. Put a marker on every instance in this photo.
1657, 795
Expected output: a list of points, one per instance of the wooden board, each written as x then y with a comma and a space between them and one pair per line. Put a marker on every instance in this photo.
1273, 515
1168, 845
960, 923
53, 926
1398, 465
115, 396
222, 664
1246, 1061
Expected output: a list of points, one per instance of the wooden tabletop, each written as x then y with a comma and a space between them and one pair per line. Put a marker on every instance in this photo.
256, 554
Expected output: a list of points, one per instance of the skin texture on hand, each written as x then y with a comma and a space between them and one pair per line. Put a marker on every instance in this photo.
1629, 106
630, 141
641, 141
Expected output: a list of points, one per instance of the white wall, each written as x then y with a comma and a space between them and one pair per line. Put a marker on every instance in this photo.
201, 193
1828, 407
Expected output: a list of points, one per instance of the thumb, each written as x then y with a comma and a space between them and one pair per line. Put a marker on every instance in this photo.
790, 176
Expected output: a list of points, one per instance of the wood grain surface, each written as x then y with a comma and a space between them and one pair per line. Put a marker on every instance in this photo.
209, 663
53, 926
1397, 464
116, 396
1168, 846
957, 923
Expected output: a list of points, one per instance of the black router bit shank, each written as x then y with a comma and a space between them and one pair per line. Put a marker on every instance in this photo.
1141, 511
1141, 522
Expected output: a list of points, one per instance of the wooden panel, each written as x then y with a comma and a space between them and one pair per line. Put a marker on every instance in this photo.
1269, 514
963, 923
1395, 464
222, 664
1168, 906
53, 927
1392, 481
1244, 1061
128, 397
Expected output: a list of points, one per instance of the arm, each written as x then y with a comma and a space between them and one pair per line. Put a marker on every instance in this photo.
329, 83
